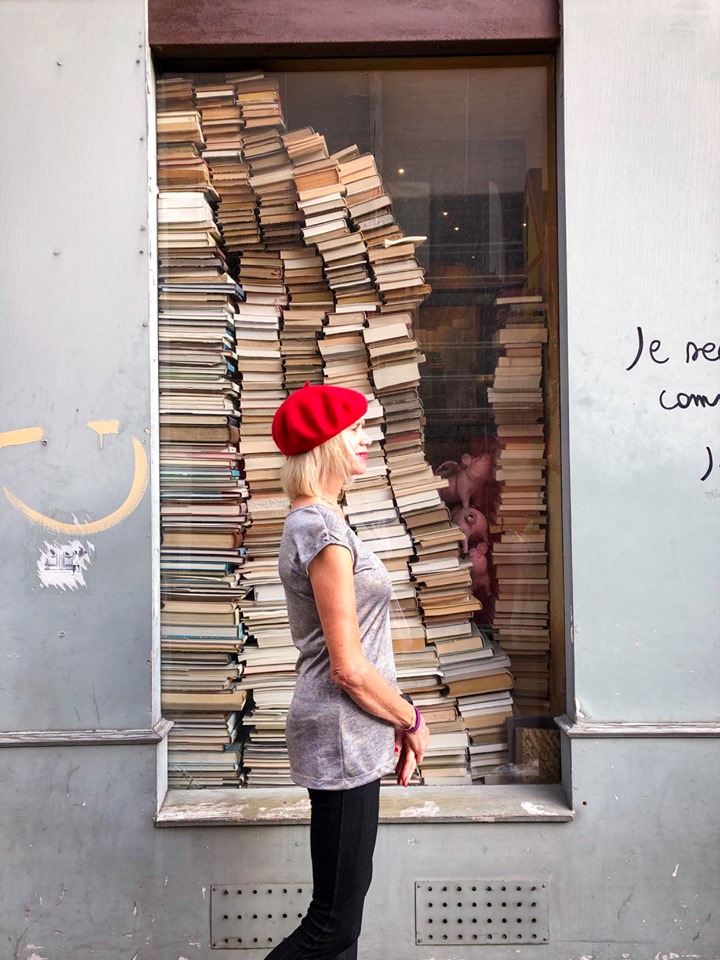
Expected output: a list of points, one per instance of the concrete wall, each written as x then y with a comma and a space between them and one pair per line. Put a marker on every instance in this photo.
84, 872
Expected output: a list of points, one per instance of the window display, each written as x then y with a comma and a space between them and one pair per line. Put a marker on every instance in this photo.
384, 230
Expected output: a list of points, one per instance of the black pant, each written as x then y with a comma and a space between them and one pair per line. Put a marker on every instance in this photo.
343, 829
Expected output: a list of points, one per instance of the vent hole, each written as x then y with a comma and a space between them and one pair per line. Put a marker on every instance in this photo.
488, 889
518, 889
226, 917
459, 889
504, 936
284, 889
429, 905
225, 893
473, 889
503, 889
254, 891
239, 916
284, 916
429, 889
534, 936
474, 936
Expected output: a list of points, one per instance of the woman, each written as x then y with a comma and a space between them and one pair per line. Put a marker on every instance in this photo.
348, 725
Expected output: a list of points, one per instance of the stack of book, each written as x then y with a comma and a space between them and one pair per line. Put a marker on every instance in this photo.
220, 116
206, 751
259, 99
202, 493
271, 179
519, 553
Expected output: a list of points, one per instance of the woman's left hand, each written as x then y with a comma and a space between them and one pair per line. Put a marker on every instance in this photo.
407, 762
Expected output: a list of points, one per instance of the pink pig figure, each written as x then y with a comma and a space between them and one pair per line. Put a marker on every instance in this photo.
473, 524
479, 570
474, 474
450, 470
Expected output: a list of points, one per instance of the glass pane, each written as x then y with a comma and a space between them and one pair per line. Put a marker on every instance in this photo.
309, 226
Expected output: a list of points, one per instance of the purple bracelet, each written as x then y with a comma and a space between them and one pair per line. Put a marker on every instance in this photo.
418, 720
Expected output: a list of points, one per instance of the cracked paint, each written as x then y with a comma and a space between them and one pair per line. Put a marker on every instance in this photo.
428, 809
279, 813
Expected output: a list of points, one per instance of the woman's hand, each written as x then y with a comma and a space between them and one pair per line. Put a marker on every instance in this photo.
406, 764
418, 741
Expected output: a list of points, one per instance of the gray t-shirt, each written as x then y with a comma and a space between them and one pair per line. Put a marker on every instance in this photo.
332, 742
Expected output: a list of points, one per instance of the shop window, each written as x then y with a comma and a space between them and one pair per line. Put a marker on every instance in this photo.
391, 230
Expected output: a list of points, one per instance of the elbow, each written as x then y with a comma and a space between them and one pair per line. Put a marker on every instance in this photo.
350, 677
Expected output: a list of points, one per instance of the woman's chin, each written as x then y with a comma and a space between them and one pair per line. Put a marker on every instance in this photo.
359, 466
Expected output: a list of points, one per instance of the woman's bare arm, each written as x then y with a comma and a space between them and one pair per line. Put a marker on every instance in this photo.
331, 576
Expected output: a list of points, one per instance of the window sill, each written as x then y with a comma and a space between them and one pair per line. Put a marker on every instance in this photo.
289, 806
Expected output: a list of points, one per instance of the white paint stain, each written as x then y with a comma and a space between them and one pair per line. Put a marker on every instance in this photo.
63, 565
36, 956
279, 813
676, 956
428, 809
204, 891
675, 871
194, 943
533, 809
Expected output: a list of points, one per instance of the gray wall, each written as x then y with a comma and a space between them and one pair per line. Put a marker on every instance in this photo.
84, 872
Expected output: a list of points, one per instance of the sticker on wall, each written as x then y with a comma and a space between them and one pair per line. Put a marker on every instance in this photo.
63, 565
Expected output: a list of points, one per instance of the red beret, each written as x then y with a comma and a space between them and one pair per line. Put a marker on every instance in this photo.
314, 414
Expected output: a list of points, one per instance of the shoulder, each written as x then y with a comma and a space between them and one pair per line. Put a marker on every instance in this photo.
316, 518
314, 527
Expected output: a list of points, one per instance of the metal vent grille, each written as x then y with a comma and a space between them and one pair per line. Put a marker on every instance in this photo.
476, 912
254, 916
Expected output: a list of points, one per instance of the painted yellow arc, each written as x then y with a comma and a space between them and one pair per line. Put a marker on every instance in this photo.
137, 491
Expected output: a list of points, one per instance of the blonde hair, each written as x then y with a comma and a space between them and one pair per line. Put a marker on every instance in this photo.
305, 474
